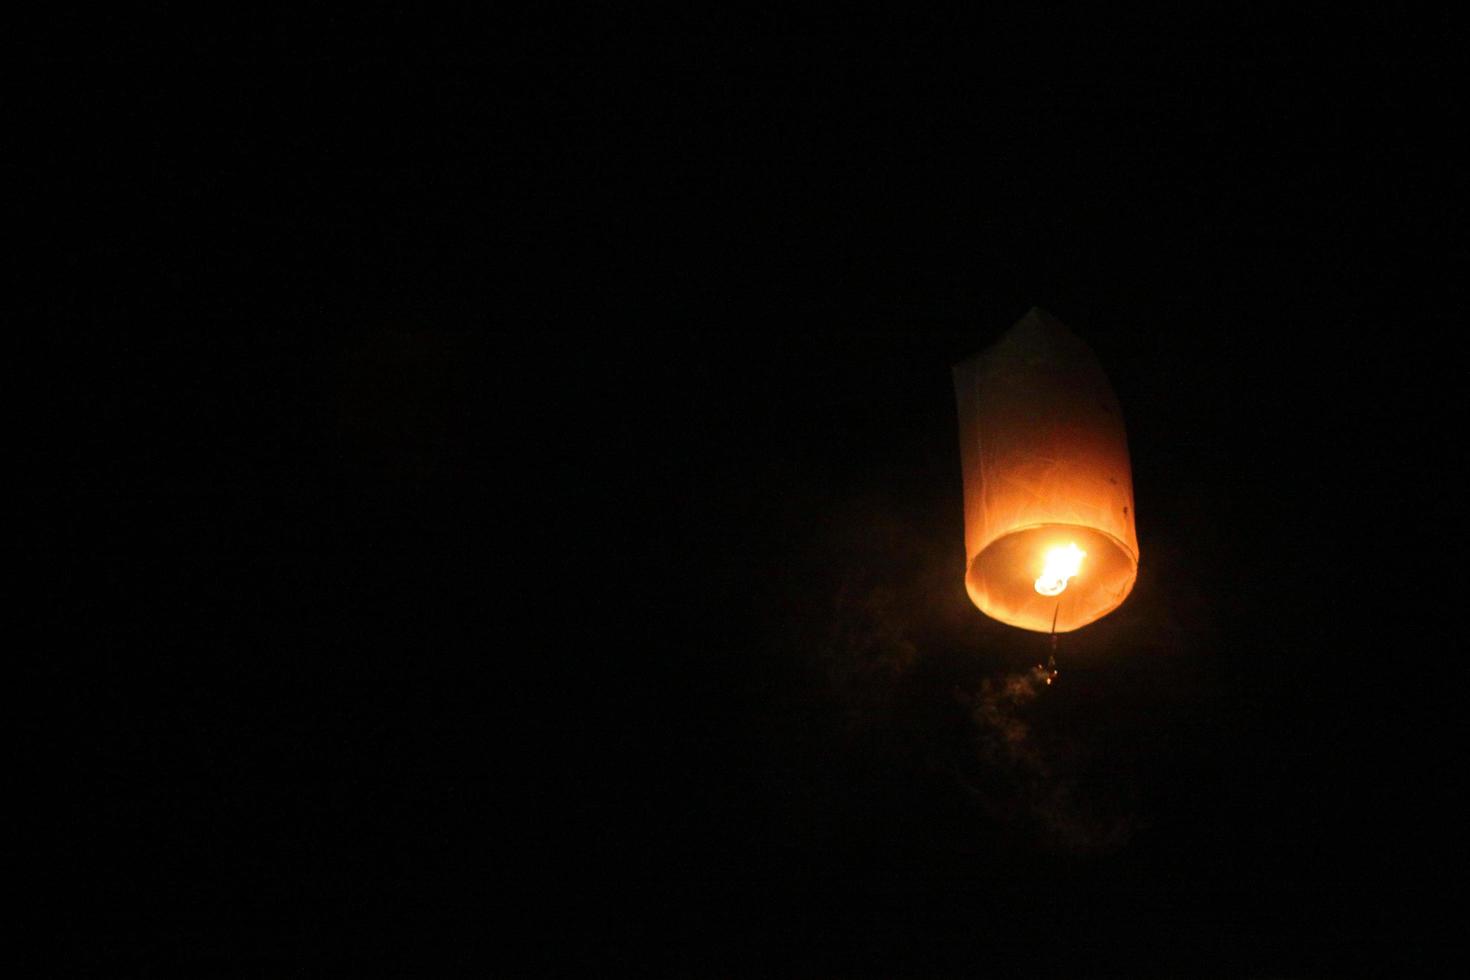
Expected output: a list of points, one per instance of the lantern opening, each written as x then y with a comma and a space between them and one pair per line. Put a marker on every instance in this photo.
1060, 565
1003, 579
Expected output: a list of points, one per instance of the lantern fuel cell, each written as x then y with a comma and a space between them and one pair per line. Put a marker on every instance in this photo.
1050, 543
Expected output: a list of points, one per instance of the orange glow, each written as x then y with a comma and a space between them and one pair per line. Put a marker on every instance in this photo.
1061, 564
1044, 458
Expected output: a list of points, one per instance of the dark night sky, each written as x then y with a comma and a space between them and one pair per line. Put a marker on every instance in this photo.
511, 508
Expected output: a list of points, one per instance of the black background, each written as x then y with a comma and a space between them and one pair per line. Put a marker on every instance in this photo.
509, 506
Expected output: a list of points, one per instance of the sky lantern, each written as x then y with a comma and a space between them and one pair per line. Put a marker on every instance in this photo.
1049, 538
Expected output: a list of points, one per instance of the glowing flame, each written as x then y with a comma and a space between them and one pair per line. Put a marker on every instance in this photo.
1061, 565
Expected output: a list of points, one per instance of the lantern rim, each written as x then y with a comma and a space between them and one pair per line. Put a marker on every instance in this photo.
1000, 581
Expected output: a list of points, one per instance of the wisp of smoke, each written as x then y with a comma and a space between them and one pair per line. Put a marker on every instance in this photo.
1036, 767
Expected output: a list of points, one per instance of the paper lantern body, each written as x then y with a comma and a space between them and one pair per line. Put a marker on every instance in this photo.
1045, 464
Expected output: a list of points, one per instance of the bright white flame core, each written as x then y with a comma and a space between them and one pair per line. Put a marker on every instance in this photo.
1061, 565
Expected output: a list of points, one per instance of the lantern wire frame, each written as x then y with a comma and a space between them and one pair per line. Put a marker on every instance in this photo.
1051, 657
